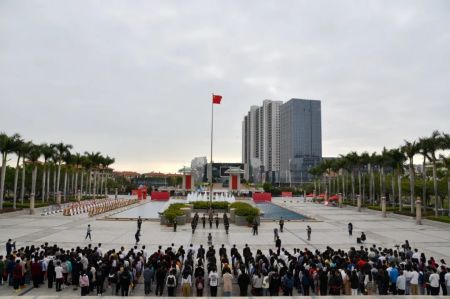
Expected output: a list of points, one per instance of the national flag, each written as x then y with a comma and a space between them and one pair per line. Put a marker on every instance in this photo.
216, 99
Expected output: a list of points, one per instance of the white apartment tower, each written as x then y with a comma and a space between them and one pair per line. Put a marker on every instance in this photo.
261, 142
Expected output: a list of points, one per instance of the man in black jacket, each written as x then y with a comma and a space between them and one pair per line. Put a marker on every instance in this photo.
243, 282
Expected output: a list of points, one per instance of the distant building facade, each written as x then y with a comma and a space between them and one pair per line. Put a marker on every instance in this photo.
301, 139
218, 171
281, 142
261, 142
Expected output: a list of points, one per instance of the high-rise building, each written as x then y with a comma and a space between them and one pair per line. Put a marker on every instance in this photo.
281, 142
301, 139
261, 142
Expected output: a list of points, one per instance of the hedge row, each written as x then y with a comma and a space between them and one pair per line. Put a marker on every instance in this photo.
217, 205
173, 211
245, 210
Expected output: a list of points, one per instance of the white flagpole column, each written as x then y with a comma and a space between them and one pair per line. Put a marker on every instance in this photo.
210, 161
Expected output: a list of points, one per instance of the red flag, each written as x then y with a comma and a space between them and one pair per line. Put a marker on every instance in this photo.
216, 99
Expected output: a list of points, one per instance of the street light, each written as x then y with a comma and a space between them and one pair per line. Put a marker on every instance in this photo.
290, 174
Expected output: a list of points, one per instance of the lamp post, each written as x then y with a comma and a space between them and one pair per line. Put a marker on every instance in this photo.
290, 174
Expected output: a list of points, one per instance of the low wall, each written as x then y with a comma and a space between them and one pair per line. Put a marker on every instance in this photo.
242, 220
181, 220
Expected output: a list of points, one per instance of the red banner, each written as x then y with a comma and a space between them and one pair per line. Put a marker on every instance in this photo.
286, 194
160, 196
262, 196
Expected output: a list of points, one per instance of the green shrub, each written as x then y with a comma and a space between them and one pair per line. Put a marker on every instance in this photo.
173, 211
245, 210
445, 219
217, 205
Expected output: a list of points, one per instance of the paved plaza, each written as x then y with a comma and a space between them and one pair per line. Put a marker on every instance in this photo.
329, 228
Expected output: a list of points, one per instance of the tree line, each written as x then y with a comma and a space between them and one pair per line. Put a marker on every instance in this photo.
73, 173
351, 173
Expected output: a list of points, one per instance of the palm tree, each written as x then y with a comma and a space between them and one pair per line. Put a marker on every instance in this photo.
396, 160
371, 162
7, 145
364, 159
107, 161
61, 151
47, 152
410, 149
95, 159
26, 148
352, 160
86, 165
424, 147
33, 157
345, 166
18, 151
316, 172
67, 158
435, 142
77, 164
336, 167
325, 168
446, 164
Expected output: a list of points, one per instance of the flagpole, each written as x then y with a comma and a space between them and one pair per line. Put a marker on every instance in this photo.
211, 174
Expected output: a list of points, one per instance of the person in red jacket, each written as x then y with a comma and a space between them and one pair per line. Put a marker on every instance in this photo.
17, 275
36, 273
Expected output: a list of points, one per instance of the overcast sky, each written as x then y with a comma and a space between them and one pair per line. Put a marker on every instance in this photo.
133, 79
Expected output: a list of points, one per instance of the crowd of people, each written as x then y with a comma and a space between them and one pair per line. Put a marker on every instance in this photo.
192, 271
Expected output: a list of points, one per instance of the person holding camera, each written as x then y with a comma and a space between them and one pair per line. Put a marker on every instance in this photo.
9, 247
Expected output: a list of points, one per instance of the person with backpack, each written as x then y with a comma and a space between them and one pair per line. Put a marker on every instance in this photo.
213, 282
186, 283
171, 283
84, 283
199, 285
257, 280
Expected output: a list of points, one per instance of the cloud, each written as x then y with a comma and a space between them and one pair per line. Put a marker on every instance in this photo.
134, 79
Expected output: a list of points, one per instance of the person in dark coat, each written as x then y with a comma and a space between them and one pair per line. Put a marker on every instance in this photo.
100, 278
36, 272
17, 275
9, 247
243, 282
77, 267
160, 279
50, 274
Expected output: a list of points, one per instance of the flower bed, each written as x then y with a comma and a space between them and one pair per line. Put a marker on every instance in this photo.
216, 205
246, 210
